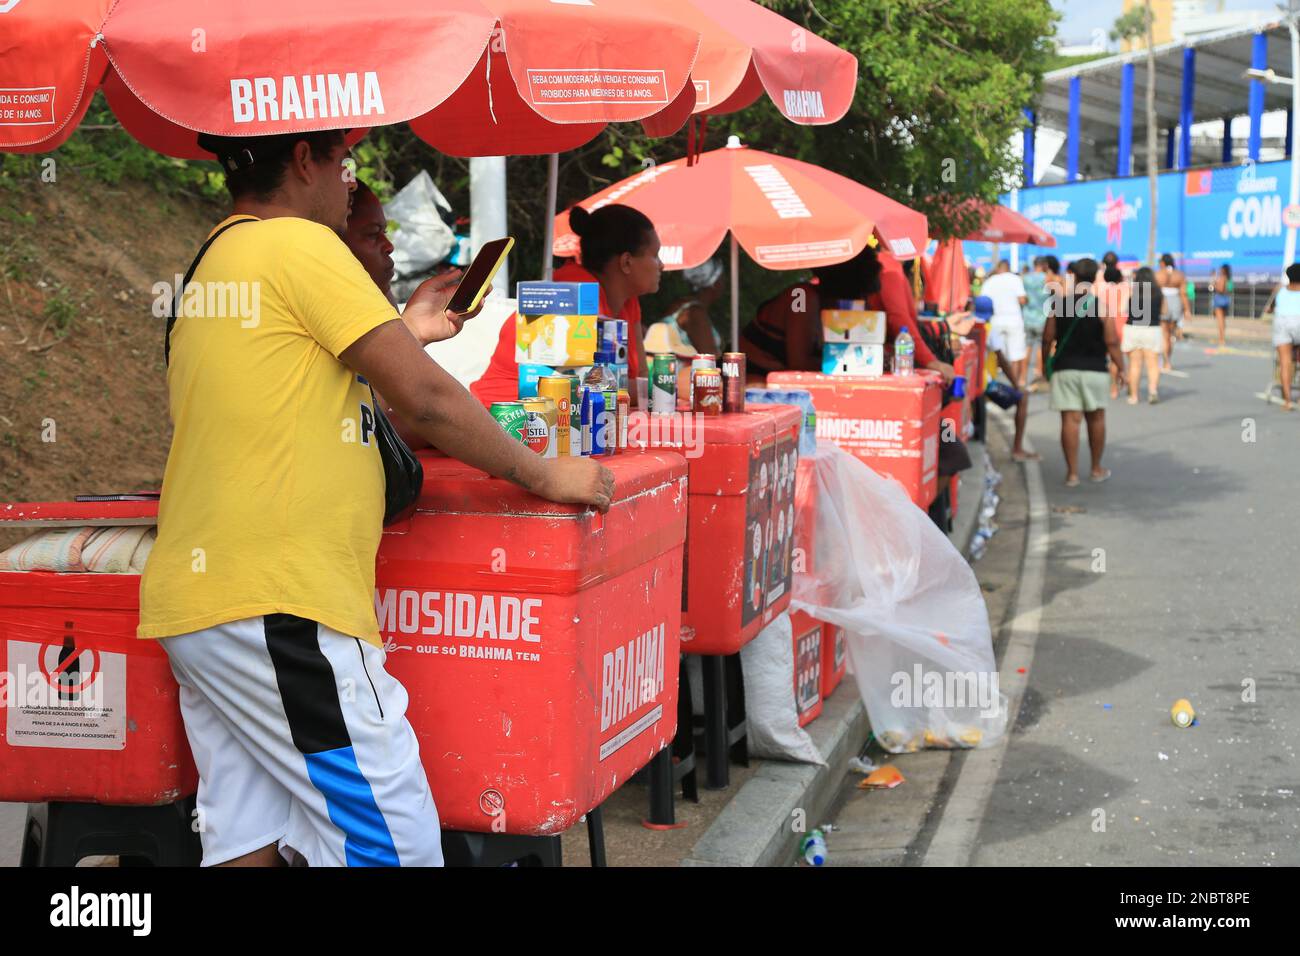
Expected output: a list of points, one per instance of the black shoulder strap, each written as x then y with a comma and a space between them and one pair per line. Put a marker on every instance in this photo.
179, 293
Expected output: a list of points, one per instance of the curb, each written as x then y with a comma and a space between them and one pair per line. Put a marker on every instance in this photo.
754, 828
962, 811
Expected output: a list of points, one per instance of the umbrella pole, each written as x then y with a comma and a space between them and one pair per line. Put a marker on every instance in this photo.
548, 241
735, 294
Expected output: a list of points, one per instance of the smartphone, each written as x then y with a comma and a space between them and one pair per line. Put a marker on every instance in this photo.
474, 283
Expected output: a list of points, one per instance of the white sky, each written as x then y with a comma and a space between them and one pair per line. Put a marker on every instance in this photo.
1081, 17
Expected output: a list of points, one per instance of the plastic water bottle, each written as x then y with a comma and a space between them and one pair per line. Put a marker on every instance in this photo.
603, 374
814, 848
904, 350
603, 377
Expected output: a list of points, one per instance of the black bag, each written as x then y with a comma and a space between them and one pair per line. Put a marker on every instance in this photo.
403, 473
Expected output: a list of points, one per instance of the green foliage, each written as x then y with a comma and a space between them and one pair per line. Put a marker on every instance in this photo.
1132, 24
60, 309
936, 81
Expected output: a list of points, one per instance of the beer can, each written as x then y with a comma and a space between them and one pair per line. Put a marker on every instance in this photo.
733, 381
511, 417
575, 417
558, 390
611, 420
543, 419
663, 384
624, 408
593, 416
1182, 713
702, 360
706, 391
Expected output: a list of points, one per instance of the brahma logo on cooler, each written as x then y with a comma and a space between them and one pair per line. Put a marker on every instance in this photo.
323, 96
631, 675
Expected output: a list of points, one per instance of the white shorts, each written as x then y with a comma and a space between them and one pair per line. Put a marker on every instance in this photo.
1286, 330
1009, 339
1142, 337
301, 740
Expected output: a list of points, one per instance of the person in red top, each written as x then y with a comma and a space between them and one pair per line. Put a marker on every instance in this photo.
620, 250
786, 334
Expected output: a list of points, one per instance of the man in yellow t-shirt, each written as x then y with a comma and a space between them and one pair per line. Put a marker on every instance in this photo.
261, 582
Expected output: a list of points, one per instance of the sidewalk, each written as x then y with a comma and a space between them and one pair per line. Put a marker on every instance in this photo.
754, 828
1203, 330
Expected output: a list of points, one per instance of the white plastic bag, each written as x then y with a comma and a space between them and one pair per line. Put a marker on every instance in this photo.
773, 723
915, 623
422, 239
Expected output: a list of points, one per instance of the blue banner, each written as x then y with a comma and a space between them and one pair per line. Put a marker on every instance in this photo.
1205, 218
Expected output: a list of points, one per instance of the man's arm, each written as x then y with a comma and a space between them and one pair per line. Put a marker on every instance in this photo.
437, 407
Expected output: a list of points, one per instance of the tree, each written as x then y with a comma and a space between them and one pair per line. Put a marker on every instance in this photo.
1134, 23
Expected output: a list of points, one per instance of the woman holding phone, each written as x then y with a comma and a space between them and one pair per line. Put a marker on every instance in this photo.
620, 250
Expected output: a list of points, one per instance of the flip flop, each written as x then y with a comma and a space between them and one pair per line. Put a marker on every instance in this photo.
1072, 482
1099, 480
1026, 456
1153, 398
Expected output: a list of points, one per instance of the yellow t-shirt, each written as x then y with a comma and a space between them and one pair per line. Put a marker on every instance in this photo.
273, 496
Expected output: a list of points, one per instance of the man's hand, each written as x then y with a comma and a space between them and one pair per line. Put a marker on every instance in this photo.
944, 369
961, 322
426, 313
576, 481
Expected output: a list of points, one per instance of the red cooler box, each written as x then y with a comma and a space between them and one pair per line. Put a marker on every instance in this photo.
91, 712
538, 642
832, 637
740, 541
807, 636
891, 423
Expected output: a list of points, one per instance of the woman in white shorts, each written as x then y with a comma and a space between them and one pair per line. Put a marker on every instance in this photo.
1142, 341
1286, 329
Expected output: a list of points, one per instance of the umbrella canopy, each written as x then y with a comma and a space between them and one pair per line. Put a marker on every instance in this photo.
1006, 225
786, 214
747, 49
474, 77
947, 279
254, 68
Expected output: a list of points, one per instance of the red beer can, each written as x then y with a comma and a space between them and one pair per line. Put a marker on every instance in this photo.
733, 381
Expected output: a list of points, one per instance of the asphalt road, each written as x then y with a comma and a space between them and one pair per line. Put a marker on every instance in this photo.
1175, 579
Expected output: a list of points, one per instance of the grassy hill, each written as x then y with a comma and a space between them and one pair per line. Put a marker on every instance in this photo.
82, 393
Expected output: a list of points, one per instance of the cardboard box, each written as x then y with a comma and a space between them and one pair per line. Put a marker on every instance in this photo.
558, 298
839, 358
557, 340
858, 326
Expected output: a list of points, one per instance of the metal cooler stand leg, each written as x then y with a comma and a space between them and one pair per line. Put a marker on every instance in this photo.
60, 834
675, 762
725, 727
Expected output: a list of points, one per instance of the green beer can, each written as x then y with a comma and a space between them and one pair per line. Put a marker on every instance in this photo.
512, 417
663, 384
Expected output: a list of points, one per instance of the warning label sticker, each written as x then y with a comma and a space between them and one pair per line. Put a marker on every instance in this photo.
61, 695
585, 87
787, 252
27, 106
